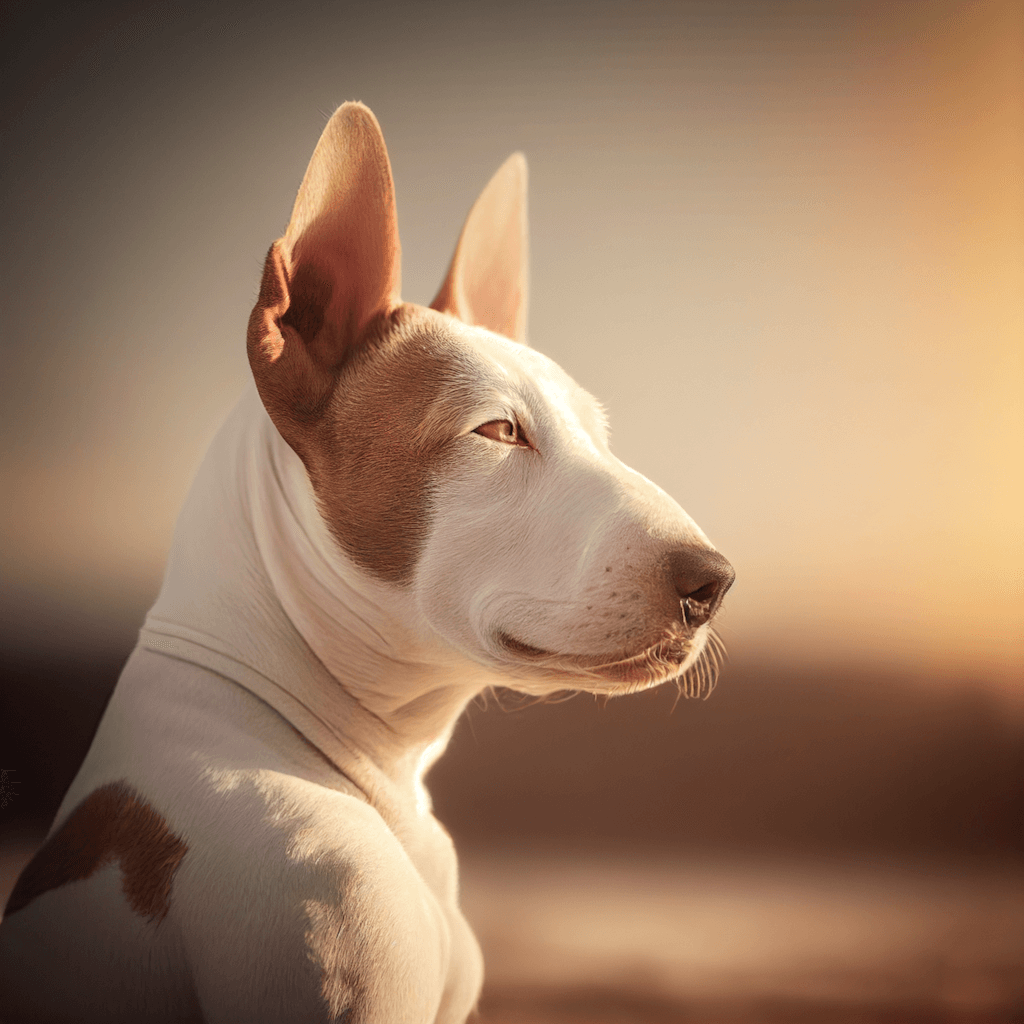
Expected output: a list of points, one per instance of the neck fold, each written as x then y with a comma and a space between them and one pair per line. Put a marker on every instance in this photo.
258, 591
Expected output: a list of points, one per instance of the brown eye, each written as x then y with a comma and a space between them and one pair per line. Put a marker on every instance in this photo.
504, 431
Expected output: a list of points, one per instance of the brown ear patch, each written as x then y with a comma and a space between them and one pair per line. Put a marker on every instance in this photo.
113, 823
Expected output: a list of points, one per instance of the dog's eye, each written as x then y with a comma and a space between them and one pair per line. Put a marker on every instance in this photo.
504, 431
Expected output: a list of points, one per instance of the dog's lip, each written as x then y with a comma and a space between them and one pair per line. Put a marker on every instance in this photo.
670, 653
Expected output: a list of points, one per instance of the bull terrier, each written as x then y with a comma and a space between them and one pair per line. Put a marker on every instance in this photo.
408, 507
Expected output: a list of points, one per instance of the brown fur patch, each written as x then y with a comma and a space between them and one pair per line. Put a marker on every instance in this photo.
389, 426
113, 823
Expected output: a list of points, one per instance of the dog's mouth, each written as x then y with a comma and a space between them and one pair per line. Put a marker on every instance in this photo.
671, 657
518, 648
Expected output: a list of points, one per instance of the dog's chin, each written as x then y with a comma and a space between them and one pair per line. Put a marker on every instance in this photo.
538, 671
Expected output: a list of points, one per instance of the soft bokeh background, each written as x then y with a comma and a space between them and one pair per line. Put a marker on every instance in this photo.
783, 242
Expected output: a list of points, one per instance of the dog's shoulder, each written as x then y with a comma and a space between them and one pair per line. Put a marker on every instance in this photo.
300, 899
286, 891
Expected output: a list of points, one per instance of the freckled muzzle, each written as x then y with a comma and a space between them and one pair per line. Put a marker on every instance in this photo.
700, 578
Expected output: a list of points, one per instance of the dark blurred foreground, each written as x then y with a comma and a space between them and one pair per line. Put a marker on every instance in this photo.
838, 847
773, 762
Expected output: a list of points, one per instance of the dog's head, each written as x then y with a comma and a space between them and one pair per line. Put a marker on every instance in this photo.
453, 463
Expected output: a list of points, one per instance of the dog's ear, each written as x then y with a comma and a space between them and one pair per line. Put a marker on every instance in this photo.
487, 280
336, 270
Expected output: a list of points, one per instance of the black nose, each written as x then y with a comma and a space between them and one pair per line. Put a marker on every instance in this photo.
701, 578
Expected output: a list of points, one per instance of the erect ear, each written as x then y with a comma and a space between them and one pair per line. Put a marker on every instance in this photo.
486, 283
337, 268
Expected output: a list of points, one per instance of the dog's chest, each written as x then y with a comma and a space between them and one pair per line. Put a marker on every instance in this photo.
262, 829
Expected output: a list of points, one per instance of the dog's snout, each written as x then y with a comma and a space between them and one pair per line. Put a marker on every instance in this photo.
701, 578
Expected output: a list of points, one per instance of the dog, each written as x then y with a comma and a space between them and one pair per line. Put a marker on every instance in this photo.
408, 507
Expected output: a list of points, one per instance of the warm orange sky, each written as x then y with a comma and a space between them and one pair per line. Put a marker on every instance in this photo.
782, 243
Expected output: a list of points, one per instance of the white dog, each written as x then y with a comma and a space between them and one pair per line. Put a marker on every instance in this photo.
410, 506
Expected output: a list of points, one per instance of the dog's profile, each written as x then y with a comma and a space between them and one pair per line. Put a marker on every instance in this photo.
408, 507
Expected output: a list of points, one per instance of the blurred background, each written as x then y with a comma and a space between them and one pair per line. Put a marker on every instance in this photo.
783, 242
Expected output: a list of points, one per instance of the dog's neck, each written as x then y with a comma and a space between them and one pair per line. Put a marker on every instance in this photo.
256, 589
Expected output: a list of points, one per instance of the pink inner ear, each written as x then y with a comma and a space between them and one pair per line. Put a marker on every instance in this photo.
310, 293
344, 274
344, 255
486, 283
495, 293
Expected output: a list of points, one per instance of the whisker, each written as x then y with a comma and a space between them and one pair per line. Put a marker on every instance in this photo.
679, 694
629, 675
700, 679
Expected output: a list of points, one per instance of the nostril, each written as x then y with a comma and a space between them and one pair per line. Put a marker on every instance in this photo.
704, 594
701, 578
